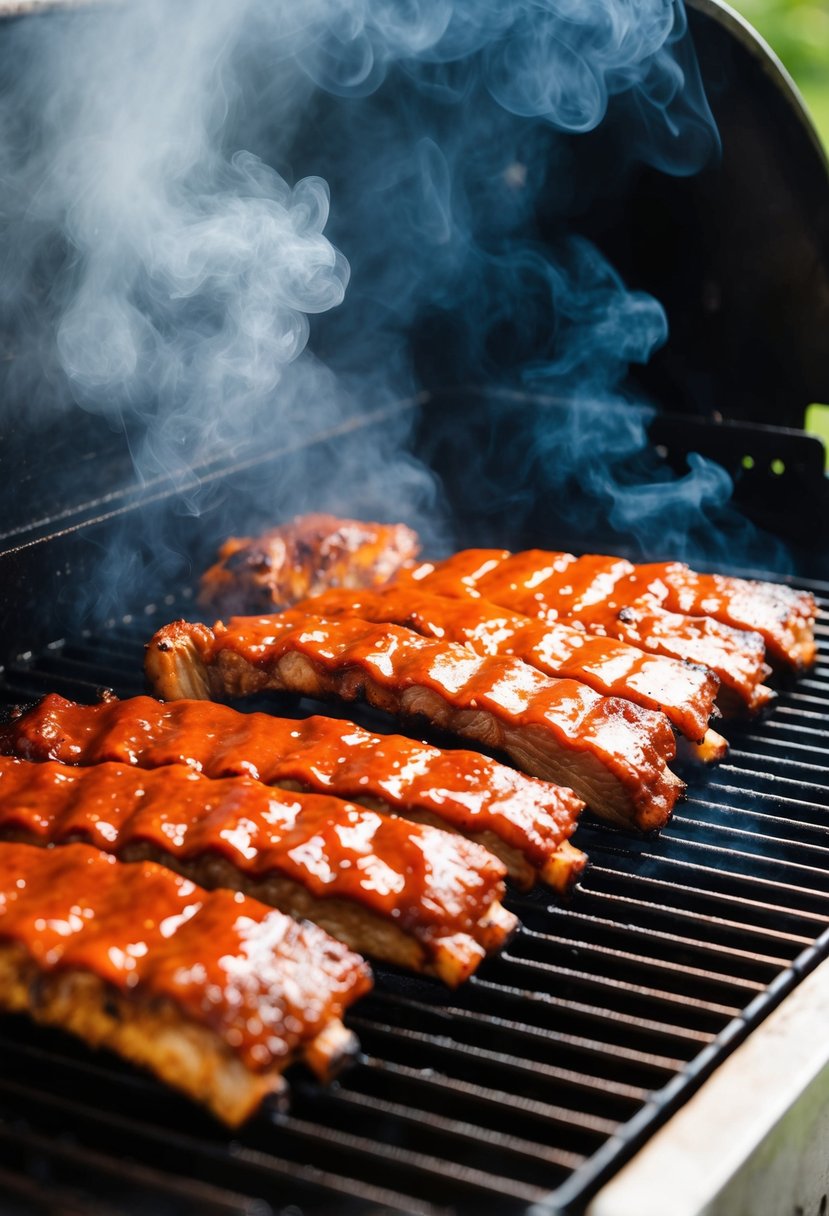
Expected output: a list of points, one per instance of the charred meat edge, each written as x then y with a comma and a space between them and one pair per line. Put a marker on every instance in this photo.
152, 1033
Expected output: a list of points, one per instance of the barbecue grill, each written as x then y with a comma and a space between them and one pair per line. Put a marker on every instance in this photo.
681, 960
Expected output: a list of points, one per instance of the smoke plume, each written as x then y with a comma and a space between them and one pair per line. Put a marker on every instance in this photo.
231, 225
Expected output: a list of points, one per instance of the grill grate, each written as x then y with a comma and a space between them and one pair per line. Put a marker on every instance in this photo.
528, 1085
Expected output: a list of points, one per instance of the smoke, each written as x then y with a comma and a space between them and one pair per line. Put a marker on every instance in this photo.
229, 226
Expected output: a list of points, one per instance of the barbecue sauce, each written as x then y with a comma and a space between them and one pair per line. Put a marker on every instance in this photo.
610, 667
605, 596
430, 883
259, 980
471, 792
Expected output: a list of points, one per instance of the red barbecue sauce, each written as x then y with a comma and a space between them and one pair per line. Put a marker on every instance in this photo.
259, 980
634, 743
326, 755
610, 667
601, 595
432, 884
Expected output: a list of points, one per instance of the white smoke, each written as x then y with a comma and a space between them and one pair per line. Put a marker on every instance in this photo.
163, 256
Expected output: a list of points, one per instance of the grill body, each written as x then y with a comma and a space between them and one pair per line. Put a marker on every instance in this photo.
527, 1089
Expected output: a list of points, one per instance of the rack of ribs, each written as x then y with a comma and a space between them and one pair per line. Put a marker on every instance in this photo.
402, 892
594, 594
685, 693
297, 559
213, 992
612, 753
525, 822
783, 616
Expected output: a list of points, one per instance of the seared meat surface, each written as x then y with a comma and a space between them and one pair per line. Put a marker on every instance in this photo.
213, 992
288, 563
407, 893
524, 822
595, 594
783, 616
612, 753
685, 693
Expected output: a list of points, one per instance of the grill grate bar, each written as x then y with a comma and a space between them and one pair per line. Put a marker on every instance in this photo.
815, 776
790, 894
427, 1168
533, 1152
642, 913
777, 749
591, 922
499, 1065
670, 971
679, 1035
774, 788
142, 1134
623, 992
456, 1016
732, 859
212, 1200
753, 843
548, 1114
779, 830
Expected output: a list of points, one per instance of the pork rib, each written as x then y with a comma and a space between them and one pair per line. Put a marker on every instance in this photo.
590, 592
612, 753
213, 992
403, 892
685, 693
524, 822
783, 616
313, 552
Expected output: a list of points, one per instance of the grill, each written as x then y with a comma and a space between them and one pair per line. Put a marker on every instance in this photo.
527, 1089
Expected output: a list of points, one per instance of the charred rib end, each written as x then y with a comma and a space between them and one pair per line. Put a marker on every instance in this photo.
174, 662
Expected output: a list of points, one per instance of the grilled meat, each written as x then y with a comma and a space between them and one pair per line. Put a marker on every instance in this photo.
213, 992
286, 564
612, 753
524, 822
685, 693
590, 593
783, 616
403, 892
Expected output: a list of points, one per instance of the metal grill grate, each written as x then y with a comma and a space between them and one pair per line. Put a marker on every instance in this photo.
527, 1086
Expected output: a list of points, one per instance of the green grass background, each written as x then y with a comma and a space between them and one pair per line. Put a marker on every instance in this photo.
798, 30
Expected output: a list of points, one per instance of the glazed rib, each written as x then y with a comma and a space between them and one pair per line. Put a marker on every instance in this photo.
783, 616
525, 822
590, 593
612, 753
684, 693
313, 552
405, 893
213, 992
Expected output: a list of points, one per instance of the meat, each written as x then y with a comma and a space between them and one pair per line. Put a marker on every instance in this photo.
213, 992
612, 753
403, 892
592, 593
685, 693
288, 563
525, 822
783, 616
